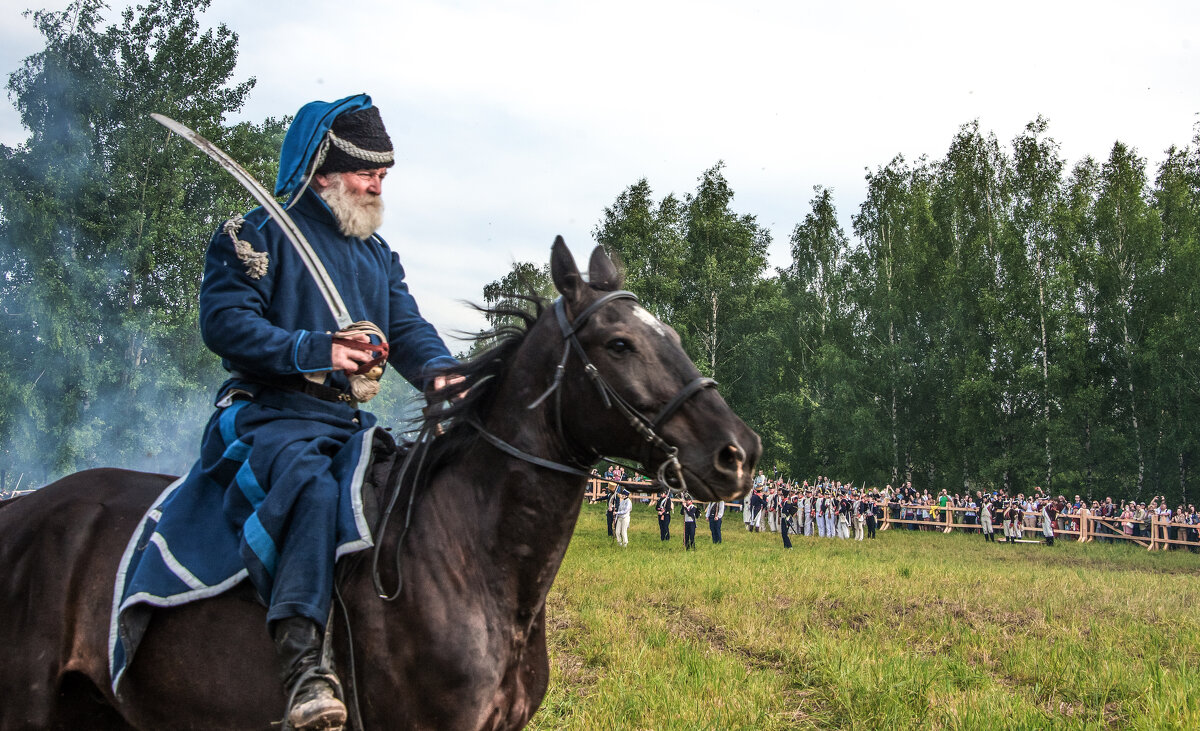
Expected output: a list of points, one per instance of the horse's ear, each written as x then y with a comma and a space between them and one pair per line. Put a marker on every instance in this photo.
564, 272
603, 273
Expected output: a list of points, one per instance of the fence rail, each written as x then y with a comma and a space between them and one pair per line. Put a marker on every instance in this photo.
1082, 527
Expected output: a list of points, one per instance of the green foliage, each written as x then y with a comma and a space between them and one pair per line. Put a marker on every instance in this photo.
524, 280
996, 323
697, 265
103, 223
647, 239
998, 319
511, 292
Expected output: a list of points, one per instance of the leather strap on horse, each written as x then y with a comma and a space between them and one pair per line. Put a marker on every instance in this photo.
640, 423
643, 425
512, 451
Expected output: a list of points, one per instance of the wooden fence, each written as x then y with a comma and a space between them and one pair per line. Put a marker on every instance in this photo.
1082, 528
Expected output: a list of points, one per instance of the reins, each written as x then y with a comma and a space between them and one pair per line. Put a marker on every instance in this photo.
416, 454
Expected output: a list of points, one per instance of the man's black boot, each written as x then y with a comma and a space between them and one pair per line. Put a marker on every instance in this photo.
312, 691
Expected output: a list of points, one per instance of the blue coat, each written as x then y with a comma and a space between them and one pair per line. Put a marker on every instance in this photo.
279, 324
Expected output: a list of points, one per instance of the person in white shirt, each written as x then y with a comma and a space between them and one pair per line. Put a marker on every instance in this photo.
621, 518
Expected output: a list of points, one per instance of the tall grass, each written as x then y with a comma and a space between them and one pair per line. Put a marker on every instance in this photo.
912, 630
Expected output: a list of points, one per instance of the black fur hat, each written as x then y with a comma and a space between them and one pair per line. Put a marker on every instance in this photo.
357, 141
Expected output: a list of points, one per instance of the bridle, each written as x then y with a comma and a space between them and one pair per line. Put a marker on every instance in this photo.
646, 427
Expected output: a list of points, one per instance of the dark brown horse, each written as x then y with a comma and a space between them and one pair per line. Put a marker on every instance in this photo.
464, 644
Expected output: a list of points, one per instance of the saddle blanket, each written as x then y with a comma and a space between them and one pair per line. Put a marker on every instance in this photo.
184, 549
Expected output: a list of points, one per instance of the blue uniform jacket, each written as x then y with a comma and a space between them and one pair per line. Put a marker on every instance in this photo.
279, 324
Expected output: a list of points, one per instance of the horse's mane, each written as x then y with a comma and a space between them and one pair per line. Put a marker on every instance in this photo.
482, 374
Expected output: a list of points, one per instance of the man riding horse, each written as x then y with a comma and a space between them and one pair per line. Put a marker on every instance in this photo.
296, 379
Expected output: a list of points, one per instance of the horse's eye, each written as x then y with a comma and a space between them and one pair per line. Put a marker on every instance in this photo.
619, 346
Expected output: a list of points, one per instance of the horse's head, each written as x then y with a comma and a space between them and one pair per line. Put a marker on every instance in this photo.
634, 393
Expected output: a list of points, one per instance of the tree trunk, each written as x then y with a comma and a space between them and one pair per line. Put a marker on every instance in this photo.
1087, 450
1045, 369
1137, 436
1183, 497
712, 338
887, 240
895, 441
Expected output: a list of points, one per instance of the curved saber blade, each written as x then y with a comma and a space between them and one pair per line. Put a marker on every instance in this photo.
276, 211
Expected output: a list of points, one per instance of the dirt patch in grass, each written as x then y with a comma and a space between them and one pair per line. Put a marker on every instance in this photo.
688, 624
557, 622
1021, 621
1136, 562
799, 701
576, 679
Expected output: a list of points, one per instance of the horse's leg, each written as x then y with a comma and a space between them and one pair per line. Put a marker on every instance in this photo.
84, 700
82, 705
205, 665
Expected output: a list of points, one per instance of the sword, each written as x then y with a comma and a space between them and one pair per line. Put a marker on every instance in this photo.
313, 263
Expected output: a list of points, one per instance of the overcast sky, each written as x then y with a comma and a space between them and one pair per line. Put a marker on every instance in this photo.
517, 121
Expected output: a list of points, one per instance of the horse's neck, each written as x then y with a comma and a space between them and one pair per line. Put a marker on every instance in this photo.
493, 522
515, 519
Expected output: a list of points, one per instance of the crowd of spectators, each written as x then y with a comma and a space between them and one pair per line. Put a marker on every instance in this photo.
829, 508
1131, 518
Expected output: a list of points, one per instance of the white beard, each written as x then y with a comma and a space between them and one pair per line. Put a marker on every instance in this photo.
357, 216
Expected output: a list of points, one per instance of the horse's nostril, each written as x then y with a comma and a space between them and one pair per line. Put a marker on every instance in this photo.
731, 458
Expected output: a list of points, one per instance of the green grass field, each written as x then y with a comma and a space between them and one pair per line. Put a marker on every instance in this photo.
912, 630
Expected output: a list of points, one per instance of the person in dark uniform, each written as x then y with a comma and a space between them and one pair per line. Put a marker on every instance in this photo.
614, 499
757, 504
845, 510
663, 507
1012, 519
715, 511
690, 513
788, 509
873, 511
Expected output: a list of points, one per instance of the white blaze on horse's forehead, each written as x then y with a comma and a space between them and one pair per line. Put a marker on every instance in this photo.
645, 316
